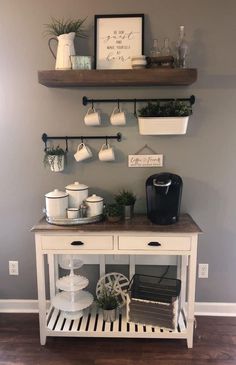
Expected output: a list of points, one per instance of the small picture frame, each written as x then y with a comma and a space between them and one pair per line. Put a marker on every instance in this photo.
118, 38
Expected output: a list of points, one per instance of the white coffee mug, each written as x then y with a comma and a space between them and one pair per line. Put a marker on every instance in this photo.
83, 152
72, 213
106, 153
92, 117
118, 117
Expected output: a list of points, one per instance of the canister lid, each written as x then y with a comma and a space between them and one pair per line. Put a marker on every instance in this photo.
76, 186
56, 194
94, 199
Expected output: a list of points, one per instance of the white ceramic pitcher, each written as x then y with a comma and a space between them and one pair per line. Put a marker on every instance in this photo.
65, 49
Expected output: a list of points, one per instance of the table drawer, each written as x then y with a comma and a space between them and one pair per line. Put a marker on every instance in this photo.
157, 243
80, 242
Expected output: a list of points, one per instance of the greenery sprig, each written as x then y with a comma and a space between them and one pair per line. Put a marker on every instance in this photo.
169, 109
107, 300
125, 197
61, 26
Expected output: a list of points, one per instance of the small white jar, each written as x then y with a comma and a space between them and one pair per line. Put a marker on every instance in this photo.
77, 194
56, 204
95, 205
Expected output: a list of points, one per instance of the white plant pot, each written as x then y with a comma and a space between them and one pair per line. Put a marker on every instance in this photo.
162, 125
56, 163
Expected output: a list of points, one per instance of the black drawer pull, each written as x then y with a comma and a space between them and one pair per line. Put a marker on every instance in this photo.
154, 244
77, 243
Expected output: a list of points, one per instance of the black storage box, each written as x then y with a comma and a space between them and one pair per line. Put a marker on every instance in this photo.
153, 301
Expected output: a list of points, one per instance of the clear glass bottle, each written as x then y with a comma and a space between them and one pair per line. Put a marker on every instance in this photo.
155, 51
166, 50
182, 49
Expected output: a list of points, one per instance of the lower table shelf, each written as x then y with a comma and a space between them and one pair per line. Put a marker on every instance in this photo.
92, 325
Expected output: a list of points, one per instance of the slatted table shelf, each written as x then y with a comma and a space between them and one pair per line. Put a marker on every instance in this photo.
92, 325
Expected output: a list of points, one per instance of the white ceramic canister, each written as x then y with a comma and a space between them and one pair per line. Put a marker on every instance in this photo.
95, 205
77, 194
56, 204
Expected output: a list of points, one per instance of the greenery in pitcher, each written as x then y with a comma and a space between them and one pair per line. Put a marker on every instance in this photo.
174, 108
61, 26
54, 156
125, 197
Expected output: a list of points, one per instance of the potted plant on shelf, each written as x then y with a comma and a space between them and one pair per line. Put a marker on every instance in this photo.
64, 32
108, 302
162, 118
55, 158
113, 212
126, 199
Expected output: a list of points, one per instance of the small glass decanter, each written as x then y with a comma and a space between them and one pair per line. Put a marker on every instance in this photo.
155, 51
182, 49
166, 50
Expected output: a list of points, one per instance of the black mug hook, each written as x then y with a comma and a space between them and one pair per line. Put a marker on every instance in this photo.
106, 141
118, 103
92, 103
66, 144
135, 107
82, 139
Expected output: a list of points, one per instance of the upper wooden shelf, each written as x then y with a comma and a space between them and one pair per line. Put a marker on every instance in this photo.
142, 77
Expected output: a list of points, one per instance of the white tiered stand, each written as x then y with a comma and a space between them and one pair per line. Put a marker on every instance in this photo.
117, 242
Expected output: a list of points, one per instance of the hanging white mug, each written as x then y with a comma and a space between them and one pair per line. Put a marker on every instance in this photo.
106, 153
92, 117
83, 152
118, 117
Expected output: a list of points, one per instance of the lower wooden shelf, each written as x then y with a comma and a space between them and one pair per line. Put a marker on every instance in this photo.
92, 325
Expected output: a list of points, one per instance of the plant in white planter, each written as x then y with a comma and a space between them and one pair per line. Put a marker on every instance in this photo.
108, 302
164, 118
126, 199
55, 158
64, 32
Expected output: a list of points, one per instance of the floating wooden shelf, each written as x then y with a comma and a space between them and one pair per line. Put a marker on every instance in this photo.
142, 77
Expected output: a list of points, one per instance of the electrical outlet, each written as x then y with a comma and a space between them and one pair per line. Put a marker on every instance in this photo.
13, 268
203, 271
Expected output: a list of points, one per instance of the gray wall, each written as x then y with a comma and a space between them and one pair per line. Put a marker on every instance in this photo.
205, 157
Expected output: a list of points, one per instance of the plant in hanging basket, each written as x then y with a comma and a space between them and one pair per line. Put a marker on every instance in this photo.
54, 158
59, 26
164, 117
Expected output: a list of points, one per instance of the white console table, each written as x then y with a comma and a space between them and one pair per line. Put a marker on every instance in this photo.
132, 239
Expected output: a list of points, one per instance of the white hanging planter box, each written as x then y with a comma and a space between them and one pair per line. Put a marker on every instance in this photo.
56, 163
162, 125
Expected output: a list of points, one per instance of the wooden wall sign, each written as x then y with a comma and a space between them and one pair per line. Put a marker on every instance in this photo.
145, 160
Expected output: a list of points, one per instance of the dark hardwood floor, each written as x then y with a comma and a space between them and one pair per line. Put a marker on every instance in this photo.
214, 343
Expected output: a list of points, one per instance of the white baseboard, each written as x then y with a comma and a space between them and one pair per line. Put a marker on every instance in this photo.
215, 309
201, 308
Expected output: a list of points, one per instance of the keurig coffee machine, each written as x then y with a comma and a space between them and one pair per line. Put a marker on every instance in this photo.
163, 193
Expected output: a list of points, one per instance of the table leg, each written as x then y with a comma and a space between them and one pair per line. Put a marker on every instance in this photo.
191, 292
41, 290
131, 266
102, 265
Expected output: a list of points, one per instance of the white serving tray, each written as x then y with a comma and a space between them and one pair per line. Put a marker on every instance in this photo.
64, 301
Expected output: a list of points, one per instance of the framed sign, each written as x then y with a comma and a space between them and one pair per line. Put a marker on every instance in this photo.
145, 160
117, 39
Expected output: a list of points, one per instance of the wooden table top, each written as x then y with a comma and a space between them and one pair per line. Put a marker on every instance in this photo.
139, 223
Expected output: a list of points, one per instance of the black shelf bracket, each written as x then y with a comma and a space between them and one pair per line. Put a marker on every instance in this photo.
86, 100
46, 138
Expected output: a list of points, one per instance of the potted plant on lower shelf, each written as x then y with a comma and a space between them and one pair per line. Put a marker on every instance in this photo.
126, 199
113, 212
163, 118
55, 158
108, 302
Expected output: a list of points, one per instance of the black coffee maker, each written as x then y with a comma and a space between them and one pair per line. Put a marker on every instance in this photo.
163, 192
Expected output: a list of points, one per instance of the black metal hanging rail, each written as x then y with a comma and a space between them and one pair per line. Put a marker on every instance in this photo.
86, 100
45, 138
